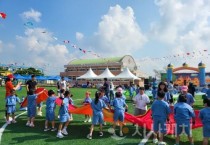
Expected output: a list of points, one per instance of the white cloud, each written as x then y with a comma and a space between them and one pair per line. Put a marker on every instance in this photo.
118, 33
79, 36
32, 15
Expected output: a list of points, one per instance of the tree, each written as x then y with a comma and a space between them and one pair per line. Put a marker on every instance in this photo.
29, 71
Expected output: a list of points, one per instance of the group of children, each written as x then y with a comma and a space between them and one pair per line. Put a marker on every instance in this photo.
183, 113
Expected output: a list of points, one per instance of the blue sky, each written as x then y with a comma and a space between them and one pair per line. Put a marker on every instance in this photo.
154, 32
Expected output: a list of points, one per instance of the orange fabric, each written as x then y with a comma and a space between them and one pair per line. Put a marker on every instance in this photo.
41, 97
9, 86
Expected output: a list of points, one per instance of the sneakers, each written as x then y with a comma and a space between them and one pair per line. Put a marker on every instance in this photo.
53, 129
104, 123
28, 124
39, 113
86, 120
161, 143
89, 136
46, 129
89, 120
155, 141
121, 134
31, 125
64, 132
60, 135
101, 134
14, 121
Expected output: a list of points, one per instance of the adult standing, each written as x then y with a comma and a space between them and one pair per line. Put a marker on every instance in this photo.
9, 86
106, 87
63, 84
191, 89
111, 91
141, 100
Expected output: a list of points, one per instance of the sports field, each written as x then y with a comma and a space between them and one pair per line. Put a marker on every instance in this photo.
20, 134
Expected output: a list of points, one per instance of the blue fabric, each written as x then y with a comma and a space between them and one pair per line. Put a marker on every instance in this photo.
159, 125
87, 100
97, 111
119, 115
12, 100
181, 125
154, 92
118, 104
208, 93
105, 99
64, 107
204, 90
50, 115
64, 118
190, 99
11, 109
160, 109
31, 107
98, 119
183, 112
204, 115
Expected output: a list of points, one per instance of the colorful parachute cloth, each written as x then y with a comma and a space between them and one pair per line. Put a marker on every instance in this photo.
41, 97
144, 121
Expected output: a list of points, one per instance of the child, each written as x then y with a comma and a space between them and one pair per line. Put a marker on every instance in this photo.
183, 113
154, 92
97, 105
208, 92
205, 117
71, 102
118, 103
11, 106
64, 117
50, 110
160, 112
87, 100
31, 107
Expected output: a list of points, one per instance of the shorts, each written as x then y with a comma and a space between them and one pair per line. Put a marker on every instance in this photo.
39, 105
64, 118
11, 109
138, 111
50, 115
206, 130
31, 111
119, 116
183, 126
159, 125
98, 118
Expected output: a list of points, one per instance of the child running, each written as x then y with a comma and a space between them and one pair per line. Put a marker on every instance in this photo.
119, 110
64, 116
97, 105
160, 111
50, 111
183, 113
11, 106
31, 107
87, 100
205, 118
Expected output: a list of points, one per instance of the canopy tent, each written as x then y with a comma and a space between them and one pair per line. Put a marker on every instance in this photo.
106, 74
126, 74
88, 75
19, 77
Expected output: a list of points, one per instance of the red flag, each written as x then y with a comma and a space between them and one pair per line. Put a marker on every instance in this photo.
3, 15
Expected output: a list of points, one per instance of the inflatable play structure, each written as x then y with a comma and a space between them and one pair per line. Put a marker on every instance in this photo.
198, 78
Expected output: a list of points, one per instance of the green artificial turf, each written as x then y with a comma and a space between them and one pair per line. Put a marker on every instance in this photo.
20, 134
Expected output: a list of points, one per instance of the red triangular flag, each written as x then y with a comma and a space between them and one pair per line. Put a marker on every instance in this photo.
3, 15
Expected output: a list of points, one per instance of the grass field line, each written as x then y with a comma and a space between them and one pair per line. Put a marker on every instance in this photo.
5, 125
144, 141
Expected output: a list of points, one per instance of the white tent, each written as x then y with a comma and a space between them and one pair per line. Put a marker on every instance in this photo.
126, 74
106, 74
88, 75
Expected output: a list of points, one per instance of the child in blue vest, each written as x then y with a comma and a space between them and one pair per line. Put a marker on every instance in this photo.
71, 102
183, 113
86, 101
119, 111
50, 111
11, 106
97, 105
160, 113
31, 107
205, 118
64, 117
